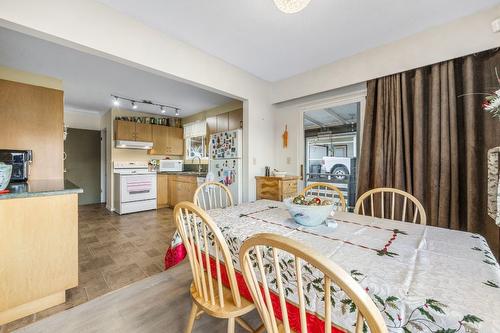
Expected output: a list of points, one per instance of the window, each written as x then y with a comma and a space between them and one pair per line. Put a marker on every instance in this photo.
195, 147
195, 139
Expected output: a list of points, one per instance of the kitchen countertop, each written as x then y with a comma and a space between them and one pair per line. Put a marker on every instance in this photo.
40, 188
183, 173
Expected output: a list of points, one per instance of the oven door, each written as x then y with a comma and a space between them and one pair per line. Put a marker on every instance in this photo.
137, 187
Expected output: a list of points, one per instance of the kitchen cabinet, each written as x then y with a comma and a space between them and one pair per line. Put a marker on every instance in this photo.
143, 132
161, 190
175, 141
181, 188
167, 140
223, 122
131, 131
235, 120
276, 188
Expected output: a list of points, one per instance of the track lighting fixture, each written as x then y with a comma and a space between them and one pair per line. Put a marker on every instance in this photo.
133, 102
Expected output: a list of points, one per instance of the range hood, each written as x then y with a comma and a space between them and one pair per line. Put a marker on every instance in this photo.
124, 144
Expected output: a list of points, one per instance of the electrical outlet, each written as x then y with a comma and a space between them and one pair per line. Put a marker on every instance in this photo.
254, 160
288, 160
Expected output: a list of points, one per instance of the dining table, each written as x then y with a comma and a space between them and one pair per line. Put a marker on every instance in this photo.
421, 278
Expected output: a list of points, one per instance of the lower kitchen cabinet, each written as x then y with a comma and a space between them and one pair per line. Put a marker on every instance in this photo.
161, 190
181, 188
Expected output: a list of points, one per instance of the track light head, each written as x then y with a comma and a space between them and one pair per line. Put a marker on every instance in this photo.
176, 112
134, 106
163, 109
116, 102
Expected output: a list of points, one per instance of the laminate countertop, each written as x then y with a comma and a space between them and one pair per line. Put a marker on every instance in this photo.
40, 188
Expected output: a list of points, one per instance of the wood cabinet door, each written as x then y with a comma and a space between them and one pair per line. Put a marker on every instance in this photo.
235, 119
159, 138
223, 122
125, 130
161, 191
212, 125
175, 141
143, 132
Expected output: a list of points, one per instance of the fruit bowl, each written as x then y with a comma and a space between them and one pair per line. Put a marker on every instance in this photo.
5, 173
309, 216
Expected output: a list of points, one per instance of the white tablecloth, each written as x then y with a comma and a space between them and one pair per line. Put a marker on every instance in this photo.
423, 279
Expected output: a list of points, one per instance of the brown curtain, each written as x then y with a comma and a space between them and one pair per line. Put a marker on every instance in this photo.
422, 136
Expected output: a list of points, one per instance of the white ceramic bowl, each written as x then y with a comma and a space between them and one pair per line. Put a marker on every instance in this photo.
279, 173
5, 173
309, 216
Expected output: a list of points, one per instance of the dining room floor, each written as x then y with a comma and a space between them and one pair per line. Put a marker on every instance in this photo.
113, 251
158, 304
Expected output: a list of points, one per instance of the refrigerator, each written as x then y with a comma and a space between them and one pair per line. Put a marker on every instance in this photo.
225, 161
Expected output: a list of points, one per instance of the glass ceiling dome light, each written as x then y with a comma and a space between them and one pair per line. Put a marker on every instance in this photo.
291, 6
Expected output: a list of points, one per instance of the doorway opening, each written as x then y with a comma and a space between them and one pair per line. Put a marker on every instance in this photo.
331, 139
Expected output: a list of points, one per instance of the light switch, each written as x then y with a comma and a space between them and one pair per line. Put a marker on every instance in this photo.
288, 160
254, 160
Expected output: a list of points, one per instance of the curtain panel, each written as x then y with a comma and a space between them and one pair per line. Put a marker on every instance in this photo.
426, 133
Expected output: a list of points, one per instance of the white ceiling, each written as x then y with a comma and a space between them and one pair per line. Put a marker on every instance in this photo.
89, 80
255, 36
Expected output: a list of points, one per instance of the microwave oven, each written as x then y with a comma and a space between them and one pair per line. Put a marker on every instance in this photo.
170, 165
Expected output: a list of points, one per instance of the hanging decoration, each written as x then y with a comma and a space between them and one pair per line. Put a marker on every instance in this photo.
285, 137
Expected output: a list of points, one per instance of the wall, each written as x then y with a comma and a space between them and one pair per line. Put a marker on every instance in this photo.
89, 26
82, 119
32, 118
458, 38
16, 75
290, 114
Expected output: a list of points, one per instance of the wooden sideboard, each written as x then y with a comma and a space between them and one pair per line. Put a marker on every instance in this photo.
276, 188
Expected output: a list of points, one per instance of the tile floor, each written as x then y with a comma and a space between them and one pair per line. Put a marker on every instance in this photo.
114, 251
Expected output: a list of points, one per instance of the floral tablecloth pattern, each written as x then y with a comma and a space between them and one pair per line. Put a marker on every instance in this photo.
422, 278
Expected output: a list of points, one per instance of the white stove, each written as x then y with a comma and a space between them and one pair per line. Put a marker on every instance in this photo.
134, 187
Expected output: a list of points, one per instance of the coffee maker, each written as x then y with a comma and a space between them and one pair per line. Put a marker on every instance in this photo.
20, 161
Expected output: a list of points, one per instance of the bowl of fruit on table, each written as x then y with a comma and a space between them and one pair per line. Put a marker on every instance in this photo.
309, 211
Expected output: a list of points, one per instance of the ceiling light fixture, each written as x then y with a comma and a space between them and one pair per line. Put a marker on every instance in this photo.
133, 102
291, 6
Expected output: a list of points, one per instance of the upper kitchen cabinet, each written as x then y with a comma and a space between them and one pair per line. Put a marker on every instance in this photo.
235, 119
167, 140
131, 131
175, 141
143, 132
225, 121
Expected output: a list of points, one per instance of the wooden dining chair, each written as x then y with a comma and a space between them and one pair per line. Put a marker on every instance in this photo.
212, 195
326, 191
394, 204
299, 255
202, 240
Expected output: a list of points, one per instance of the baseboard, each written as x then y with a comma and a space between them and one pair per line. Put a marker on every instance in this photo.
35, 306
